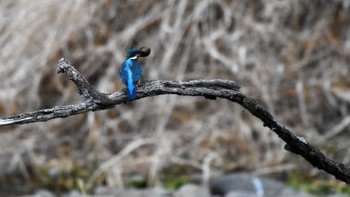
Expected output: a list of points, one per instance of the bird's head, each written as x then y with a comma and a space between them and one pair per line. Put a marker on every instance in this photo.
136, 53
133, 53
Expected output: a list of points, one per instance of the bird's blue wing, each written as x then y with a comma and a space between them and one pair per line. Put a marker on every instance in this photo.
123, 73
126, 75
136, 70
130, 74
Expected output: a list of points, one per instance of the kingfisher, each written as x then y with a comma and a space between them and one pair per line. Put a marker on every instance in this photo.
131, 70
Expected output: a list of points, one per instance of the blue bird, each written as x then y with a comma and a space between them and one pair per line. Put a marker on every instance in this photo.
131, 70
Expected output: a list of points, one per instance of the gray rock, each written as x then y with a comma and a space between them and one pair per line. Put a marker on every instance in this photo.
248, 184
155, 192
338, 195
42, 193
73, 193
240, 194
102, 190
191, 190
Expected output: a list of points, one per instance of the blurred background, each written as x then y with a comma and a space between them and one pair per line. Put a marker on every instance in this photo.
293, 56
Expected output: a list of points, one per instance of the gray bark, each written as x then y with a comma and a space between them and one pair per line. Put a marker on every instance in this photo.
210, 89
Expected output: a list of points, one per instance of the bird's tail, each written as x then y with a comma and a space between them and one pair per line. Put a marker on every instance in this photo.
131, 89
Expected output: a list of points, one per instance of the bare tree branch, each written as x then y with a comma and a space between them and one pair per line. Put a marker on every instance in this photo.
210, 89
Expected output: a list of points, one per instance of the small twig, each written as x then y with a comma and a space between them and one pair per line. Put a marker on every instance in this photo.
210, 89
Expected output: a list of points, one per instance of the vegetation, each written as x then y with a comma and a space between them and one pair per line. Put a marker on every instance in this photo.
316, 185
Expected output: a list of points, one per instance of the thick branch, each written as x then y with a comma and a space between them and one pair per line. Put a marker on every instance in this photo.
210, 89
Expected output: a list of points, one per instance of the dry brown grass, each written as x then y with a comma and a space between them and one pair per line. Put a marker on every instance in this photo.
291, 55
